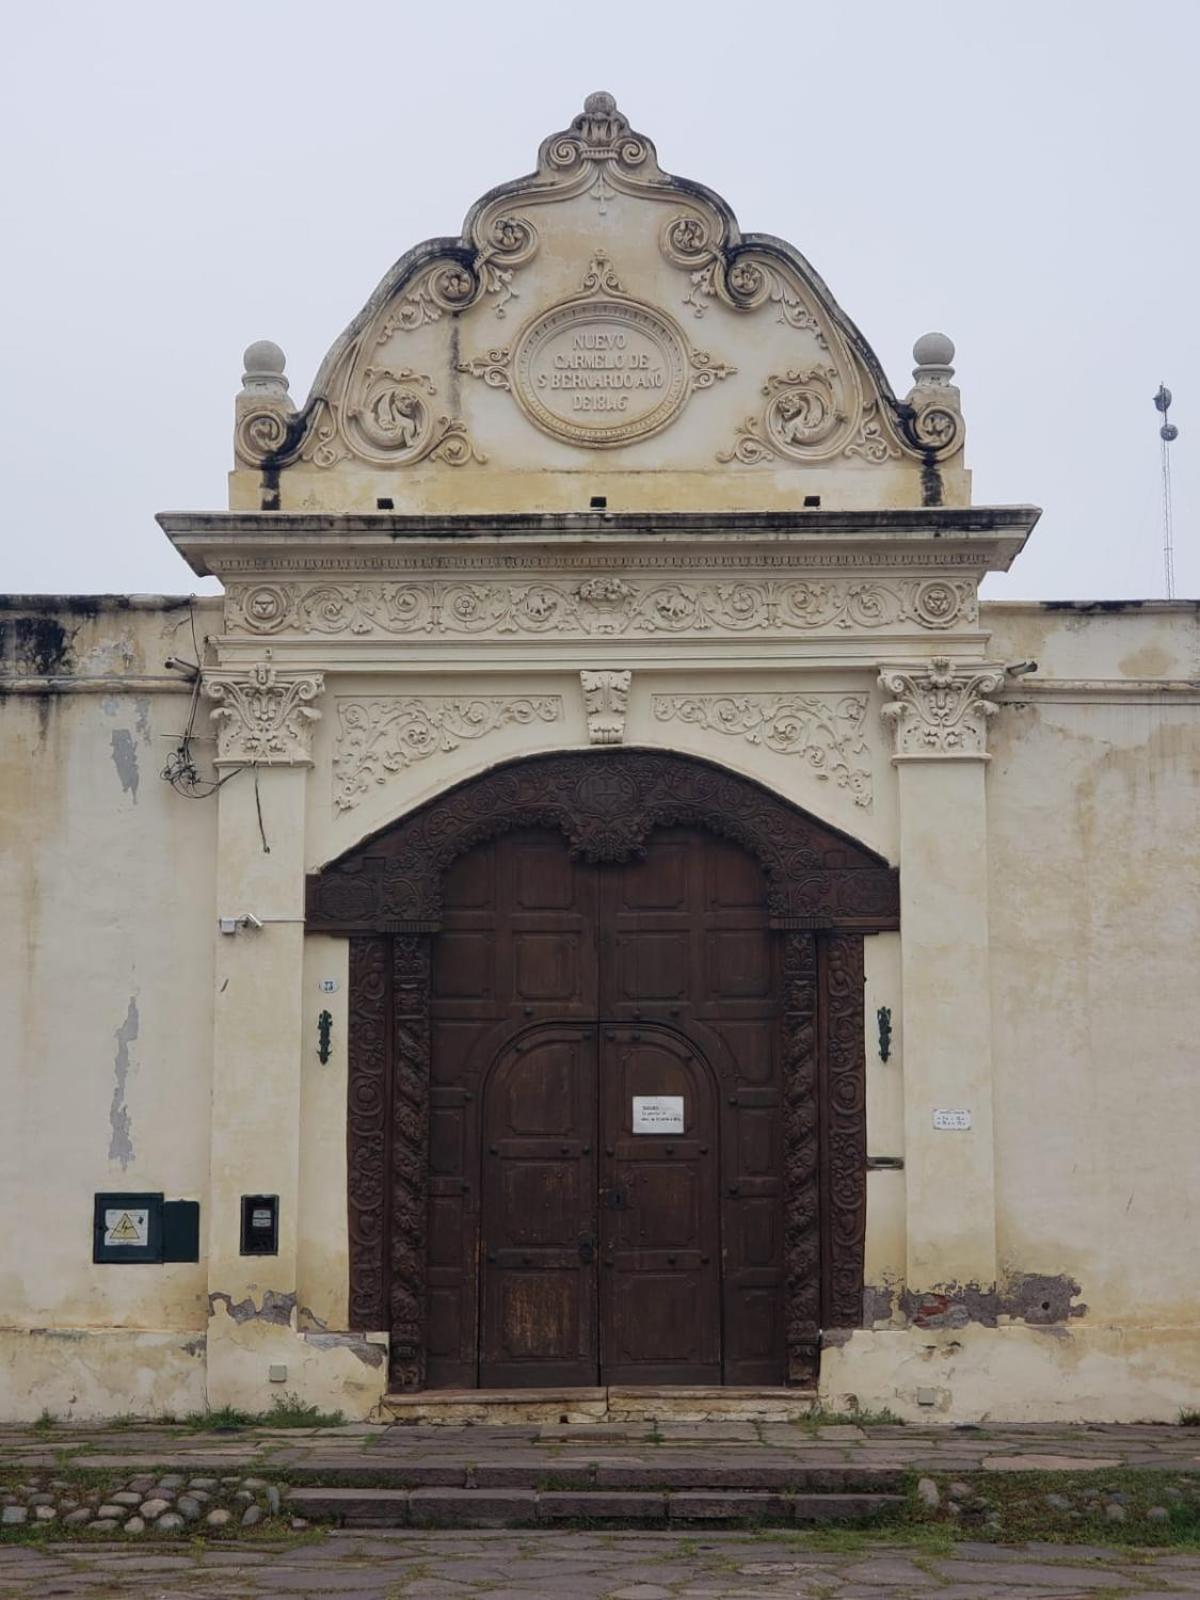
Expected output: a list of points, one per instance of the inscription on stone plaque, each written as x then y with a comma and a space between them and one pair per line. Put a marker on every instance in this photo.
601, 372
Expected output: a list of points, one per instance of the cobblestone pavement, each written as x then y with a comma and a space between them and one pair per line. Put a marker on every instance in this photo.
591, 1566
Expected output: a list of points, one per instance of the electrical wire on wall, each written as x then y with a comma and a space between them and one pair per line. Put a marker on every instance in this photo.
181, 771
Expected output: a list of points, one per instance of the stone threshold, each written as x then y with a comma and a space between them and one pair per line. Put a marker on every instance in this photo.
613, 1404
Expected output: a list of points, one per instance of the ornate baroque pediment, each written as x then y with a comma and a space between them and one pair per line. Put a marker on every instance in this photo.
599, 317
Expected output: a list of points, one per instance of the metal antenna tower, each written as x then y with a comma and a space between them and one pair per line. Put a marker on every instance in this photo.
1167, 433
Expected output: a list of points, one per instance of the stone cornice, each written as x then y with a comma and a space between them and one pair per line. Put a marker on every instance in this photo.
982, 539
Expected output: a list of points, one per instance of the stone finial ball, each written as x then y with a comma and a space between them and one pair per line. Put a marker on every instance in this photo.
264, 356
600, 104
933, 350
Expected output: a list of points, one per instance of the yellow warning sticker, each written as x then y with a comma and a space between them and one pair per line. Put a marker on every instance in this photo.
130, 1227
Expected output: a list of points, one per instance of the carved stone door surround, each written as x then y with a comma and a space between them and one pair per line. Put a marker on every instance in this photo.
824, 892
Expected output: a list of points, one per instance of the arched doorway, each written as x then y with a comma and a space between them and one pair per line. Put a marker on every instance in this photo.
606, 1076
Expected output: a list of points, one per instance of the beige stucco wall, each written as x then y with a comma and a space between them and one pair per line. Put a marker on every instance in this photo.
1091, 878
106, 899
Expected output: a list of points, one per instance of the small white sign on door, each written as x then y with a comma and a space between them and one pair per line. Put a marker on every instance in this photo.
658, 1113
952, 1121
124, 1226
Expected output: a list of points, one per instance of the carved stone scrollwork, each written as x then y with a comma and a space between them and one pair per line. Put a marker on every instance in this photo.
379, 737
825, 731
605, 699
606, 802
943, 710
264, 716
803, 412
393, 421
801, 1145
445, 288
872, 441
259, 433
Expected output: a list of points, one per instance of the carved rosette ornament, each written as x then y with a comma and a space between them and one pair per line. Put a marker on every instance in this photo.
601, 606
263, 716
942, 710
606, 699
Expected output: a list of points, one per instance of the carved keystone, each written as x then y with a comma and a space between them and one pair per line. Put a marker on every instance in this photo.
605, 699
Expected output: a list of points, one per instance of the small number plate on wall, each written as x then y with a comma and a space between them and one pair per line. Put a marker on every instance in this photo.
952, 1121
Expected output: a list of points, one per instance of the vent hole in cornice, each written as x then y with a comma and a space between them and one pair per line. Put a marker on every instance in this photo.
385, 503
599, 502
812, 500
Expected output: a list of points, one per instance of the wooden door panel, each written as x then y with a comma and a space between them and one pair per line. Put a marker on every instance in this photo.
660, 1310
538, 1275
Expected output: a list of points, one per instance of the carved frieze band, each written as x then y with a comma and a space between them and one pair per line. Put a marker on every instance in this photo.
825, 731
941, 710
379, 737
263, 715
598, 606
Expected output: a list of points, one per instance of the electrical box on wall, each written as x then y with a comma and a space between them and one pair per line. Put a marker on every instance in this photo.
260, 1224
128, 1227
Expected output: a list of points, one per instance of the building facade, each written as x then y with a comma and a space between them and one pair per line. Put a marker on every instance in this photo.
598, 900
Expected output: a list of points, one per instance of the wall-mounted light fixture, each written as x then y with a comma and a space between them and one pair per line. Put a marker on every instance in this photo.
884, 1018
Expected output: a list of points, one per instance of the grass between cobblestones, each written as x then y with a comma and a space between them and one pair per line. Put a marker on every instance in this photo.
1128, 1508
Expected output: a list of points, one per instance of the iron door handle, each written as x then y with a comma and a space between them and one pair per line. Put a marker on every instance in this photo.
587, 1251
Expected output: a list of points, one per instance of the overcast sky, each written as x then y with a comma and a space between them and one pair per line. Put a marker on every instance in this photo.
181, 179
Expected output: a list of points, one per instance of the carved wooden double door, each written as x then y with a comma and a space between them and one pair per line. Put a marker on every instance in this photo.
606, 1163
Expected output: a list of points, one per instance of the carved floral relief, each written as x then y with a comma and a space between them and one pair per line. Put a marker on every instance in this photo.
606, 700
379, 737
599, 606
825, 731
263, 715
943, 710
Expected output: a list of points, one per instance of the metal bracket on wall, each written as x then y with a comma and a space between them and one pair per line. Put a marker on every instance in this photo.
324, 1031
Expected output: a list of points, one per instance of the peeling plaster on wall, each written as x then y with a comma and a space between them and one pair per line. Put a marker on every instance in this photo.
277, 1308
307, 1321
197, 1346
372, 1354
878, 1302
124, 756
120, 1145
1033, 1297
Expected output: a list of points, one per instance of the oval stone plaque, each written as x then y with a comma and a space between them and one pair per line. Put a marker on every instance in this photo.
601, 372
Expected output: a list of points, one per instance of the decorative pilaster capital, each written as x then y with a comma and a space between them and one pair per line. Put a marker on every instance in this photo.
606, 700
264, 716
940, 711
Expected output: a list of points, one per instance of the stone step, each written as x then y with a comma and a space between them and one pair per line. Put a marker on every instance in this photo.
610, 1407
512, 1507
707, 1475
